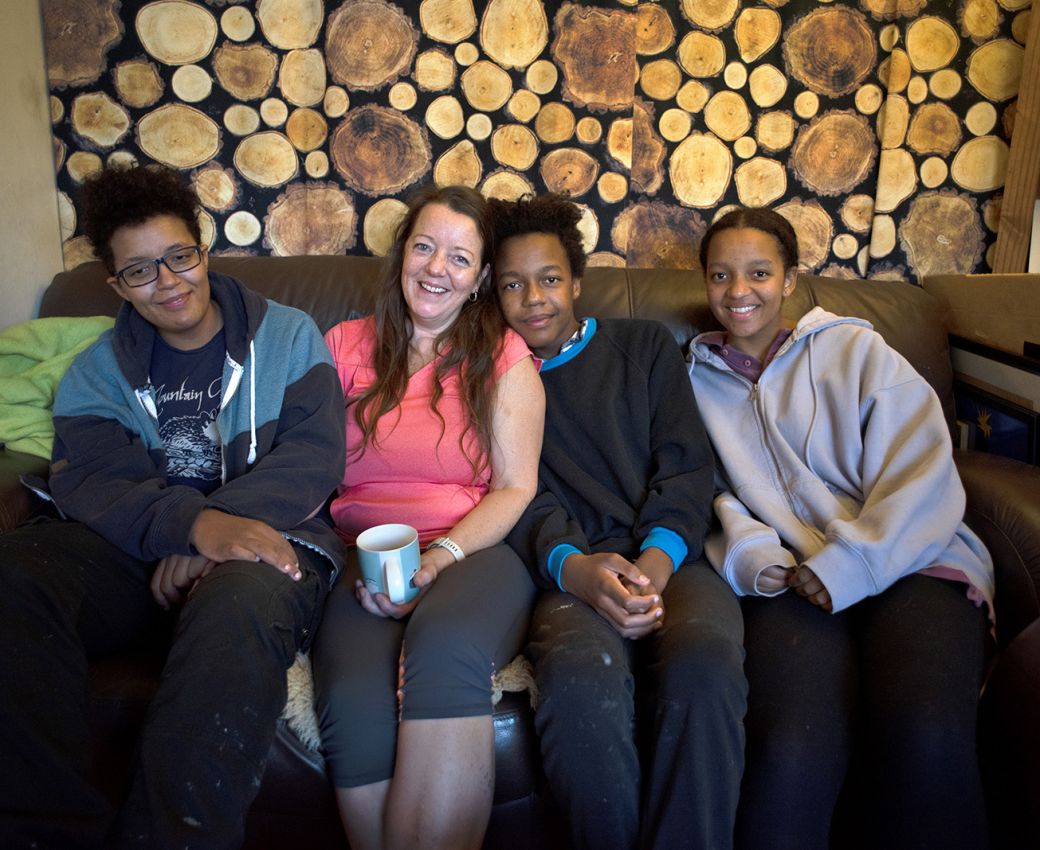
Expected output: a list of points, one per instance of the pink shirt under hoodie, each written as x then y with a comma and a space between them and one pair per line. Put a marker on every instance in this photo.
412, 473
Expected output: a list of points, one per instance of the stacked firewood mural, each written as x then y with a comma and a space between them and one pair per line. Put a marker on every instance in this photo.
880, 128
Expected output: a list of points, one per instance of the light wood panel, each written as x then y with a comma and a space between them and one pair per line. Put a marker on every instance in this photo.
1023, 173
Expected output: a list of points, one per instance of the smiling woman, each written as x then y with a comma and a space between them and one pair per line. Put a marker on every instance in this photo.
441, 271
444, 425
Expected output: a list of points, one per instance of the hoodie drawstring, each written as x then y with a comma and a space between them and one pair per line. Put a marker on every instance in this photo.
815, 406
252, 405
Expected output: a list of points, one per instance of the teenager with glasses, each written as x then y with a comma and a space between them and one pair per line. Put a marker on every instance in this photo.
195, 445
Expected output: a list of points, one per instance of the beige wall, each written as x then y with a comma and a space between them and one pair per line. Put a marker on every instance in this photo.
30, 237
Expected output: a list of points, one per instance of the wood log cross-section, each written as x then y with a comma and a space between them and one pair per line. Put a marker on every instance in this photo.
434, 70
290, 24
306, 129
760, 181
727, 115
458, 166
897, 179
774, 131
648, 151
834, 153
569, 171
980, 164
654, 234
267, 159
506, 185
931, 43
78, 34
710, 14
176, 32
514, 146
311, 218
448, 21
514, 32
934, 128
830, 50
700, 170
302, 77
701, 55
485, 86
179, 136
555, 123
814, 228
595, 50
369, 44
216, 187
655, 31
138, 83
246, 71
767, 85
756, 31
379, 151
444, 117
381, 223
99, 120
942, 233
995, 68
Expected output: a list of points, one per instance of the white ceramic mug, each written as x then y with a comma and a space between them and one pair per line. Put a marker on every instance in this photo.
389, 556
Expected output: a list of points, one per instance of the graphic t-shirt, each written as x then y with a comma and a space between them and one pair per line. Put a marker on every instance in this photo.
187, 398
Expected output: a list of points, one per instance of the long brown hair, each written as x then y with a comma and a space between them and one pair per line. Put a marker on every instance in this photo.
471, 345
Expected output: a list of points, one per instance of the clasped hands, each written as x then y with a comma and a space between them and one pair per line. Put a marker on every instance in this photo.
801, 579
620, 590
220, 537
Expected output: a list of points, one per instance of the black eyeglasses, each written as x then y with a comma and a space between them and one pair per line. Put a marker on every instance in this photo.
144, 272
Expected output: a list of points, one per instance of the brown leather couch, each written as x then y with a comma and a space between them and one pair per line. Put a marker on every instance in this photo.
295, 806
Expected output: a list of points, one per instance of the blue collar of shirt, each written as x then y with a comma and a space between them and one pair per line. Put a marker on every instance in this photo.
572, 348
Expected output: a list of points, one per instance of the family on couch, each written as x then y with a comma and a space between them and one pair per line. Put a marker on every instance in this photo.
196, 446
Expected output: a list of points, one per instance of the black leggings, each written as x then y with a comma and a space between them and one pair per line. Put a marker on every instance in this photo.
471, 622
896, 675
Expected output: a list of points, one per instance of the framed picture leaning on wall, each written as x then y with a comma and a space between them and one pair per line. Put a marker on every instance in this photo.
997, 425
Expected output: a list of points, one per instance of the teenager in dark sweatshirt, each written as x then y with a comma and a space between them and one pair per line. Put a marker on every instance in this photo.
631, 615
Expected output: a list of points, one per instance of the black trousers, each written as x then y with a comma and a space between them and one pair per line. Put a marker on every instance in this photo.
895, 679
687, 682
67, 596
371, 672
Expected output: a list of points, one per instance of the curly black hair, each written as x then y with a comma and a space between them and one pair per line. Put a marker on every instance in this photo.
118, 196
549, 213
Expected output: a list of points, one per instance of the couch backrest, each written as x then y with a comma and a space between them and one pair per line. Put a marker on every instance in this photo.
333, 288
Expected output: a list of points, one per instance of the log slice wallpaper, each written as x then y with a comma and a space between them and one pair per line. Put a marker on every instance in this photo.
880, 128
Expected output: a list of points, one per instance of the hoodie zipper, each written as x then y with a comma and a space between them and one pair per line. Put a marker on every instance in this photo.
755, 398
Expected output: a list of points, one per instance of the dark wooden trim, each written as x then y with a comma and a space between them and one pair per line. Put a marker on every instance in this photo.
1026, 364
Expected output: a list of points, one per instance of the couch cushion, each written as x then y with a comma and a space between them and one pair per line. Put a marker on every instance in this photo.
911, 321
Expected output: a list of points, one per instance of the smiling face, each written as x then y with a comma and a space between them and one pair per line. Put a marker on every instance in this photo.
177, 304
536, 291
747, 284
441, 267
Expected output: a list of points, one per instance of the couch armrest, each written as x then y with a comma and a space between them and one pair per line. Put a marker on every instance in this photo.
1004, 510
1009, 741
17, 503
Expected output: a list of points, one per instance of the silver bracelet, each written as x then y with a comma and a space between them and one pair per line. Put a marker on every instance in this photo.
450, 545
